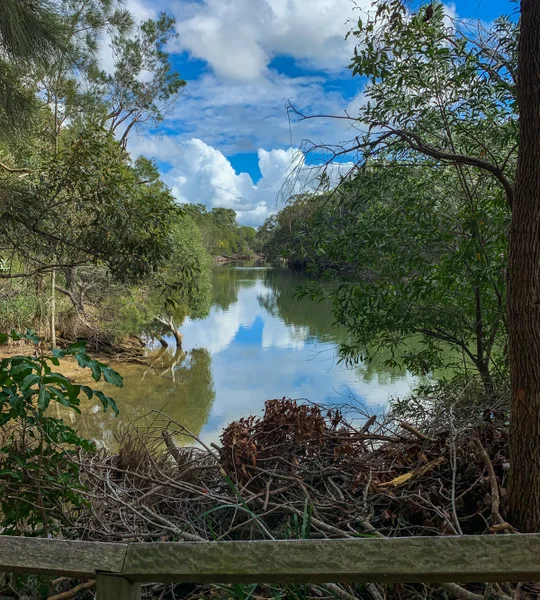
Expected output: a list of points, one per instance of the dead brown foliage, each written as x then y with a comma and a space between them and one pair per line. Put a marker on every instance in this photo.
301, 470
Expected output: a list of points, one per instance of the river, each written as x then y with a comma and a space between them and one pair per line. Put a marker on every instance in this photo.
258, 342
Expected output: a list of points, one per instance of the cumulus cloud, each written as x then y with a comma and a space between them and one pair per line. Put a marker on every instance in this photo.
245, 116
238, 106
239, 39
288, 360
202, 174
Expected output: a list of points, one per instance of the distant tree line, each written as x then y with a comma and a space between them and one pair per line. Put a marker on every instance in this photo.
221, 234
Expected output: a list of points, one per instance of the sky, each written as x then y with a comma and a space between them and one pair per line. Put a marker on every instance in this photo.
229, 140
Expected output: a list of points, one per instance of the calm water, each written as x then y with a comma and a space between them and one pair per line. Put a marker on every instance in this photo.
258, 342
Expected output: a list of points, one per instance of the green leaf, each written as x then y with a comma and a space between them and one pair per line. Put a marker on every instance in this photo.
21, 368
88, 391
43, 398
83, 359
59, 395
107, 402
111, 376
15, 474
29, 381
95, 368
77, 347
31, 336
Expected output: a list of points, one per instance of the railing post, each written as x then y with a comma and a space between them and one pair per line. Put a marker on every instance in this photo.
110, 587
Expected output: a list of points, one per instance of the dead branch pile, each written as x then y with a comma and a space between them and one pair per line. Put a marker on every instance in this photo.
302, 471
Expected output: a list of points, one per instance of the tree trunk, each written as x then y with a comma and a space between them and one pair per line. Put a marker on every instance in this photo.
485, 374
77, 301
171, 326
53, 309
482, 361
523, 304
177, 336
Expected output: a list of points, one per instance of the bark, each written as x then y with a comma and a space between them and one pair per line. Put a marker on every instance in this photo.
77, 301
523, 305
171, 326
53, 309
482, 361
177, 336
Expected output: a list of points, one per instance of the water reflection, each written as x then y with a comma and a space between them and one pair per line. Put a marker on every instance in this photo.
258, 342
178, 383
267, 344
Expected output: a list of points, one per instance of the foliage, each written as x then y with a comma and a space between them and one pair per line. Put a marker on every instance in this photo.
87, 198
31, 33
181, 287
185, 284
287, 234
18, 306
221, 233
39, 477
448, 99
88, 203
414, 260
415, 240
136, 100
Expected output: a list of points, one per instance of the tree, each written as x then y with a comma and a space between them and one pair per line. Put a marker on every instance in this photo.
157, 305
183, 287
417, 271
442, 95
86, 203
524, 284
289, 233
221, 233
143, 84
31, 33
69, 166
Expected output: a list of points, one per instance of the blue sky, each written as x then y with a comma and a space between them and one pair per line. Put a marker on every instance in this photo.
228, 140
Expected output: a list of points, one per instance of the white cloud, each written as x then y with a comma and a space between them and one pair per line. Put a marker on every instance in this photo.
239, 116
239, 39
140, 10
201, 174
240, 106
288, 360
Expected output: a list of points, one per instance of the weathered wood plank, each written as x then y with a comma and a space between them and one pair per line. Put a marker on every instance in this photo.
59, 557
116, 588
435, 559
406, 560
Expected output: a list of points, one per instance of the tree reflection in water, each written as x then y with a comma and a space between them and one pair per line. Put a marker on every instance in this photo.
177, 383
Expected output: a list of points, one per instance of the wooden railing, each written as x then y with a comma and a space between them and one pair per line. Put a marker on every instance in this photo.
120, 568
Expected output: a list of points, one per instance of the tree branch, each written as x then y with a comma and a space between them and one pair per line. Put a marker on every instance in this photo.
13, 169
417, 144
43, 269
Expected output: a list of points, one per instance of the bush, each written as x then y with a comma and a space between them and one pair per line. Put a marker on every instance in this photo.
39, 478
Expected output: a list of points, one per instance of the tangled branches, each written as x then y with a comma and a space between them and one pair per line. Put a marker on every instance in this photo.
301, 471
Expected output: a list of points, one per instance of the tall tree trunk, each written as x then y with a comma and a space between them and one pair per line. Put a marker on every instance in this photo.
523, 305
53, 309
